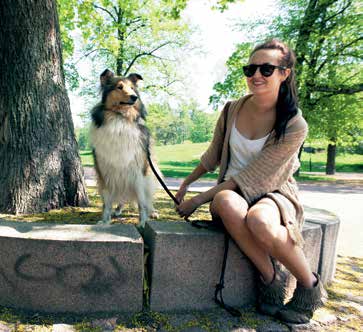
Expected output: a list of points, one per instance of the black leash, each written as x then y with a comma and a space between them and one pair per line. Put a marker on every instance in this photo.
220, 285
193, 223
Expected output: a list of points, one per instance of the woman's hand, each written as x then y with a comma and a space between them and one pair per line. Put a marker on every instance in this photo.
186, 208
181, 192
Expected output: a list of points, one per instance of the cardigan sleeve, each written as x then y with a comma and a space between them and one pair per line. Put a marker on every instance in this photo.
212, 157
274, 165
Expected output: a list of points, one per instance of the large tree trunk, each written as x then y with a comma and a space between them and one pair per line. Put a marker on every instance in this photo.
40, 167
330, 163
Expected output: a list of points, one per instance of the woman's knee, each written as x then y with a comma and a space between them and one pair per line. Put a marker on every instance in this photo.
228, 202
262, 225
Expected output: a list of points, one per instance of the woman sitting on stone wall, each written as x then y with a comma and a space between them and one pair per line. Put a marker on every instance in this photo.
255, 144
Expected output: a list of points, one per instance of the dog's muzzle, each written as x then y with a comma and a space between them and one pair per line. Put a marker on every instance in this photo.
132, 101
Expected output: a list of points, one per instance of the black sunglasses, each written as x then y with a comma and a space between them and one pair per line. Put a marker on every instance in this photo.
265, 69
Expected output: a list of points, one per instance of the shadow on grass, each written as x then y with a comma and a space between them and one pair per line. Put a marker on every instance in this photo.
181, 169
174, 173
193, 163
317, 166
86, 153
314, 178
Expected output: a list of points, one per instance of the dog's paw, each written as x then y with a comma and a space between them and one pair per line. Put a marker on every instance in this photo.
154, 215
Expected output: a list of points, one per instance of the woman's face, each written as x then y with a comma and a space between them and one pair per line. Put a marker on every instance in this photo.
261, 85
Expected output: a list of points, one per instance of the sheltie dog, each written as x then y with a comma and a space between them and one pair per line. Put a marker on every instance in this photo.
121, 145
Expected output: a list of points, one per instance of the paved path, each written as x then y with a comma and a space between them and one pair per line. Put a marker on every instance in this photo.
345, 200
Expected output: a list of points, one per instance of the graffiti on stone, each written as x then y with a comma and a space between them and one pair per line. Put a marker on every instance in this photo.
82, 277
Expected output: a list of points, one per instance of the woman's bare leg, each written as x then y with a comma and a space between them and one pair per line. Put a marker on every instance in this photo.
232, 209
263, 221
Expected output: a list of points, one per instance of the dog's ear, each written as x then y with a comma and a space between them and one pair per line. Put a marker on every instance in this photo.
105, 76
134, 78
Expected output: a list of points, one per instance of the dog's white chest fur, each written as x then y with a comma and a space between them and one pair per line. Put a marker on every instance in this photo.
121, 160
118, 144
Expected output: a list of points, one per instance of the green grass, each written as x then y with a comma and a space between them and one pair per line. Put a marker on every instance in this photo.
343, 162
179, 160
86, 158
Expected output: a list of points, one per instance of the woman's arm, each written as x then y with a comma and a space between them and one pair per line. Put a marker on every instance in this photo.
186, 208
210, 158
195, 175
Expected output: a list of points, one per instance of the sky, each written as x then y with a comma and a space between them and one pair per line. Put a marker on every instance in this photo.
216, 36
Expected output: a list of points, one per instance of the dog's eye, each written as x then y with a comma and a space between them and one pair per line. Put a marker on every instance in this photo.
120, 87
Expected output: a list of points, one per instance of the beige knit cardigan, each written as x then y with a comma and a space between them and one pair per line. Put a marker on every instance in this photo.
271, 173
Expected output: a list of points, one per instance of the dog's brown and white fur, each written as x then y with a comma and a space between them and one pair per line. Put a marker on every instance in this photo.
121, 144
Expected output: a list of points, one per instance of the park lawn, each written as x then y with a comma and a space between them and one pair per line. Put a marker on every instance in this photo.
343, 162
179, 160
86, 158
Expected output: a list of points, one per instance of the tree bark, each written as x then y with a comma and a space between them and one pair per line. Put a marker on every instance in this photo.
40, 167
330, 163
121, 40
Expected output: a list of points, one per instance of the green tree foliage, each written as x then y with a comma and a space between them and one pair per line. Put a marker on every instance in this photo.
174, 126
167, 125
222, 5
163, 123
130, 32
326, 37
234, 85
67, 22
203, 126
82, 135
125, 35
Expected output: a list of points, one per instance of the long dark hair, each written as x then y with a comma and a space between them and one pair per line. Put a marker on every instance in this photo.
287, 103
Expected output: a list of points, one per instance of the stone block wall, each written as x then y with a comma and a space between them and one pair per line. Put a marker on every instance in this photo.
99, 268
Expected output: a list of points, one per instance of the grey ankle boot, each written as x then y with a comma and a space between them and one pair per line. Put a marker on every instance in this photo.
304, 302
271, 296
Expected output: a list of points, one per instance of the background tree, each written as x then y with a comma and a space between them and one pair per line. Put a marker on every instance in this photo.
168, 125
326, 37
39, 161
82, 135
329, 68
203, 126
126, 35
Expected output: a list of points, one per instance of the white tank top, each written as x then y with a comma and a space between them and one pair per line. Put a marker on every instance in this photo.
242, 151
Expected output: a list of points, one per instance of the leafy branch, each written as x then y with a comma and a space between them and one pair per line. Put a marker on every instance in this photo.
106, 11
347, 90
150, 53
